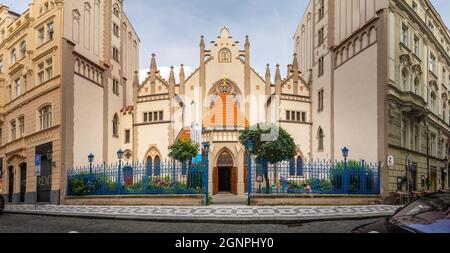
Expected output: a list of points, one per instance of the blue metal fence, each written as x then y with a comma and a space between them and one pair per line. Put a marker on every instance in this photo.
166, 177
314, 177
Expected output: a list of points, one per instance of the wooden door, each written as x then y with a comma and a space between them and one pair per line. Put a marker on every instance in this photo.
216, 180
234, 177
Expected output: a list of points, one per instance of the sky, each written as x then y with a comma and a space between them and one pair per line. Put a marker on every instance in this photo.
172, 28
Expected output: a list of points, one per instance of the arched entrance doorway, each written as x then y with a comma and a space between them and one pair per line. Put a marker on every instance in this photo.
10, 183
23, 181
225, 174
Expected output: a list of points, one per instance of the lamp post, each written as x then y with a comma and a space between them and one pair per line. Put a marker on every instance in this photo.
206, 146
249, 145
119, 180
91, 160
409, 162
345, 151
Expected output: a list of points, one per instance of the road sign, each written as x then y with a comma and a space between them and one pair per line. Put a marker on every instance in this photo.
37, 165
390, 161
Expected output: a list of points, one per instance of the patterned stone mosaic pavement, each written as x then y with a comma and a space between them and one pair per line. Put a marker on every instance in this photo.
212, 213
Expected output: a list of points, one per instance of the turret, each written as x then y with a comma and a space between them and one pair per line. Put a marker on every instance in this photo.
278, 81
182, 80
268, 84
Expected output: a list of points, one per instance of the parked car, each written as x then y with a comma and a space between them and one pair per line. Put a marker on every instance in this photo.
429, 214
2, 204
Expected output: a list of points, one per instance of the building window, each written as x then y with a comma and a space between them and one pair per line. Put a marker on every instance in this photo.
116, 29
321, 36
45, 116
13, 130
431, 26
433, 102
321, 66
414, 6
116, 86
40, 73
153, 116
320, 137
294, 116
116, 125
116, 10
21, 126
433, 145
1, 65
405, 80
416, 45
41, 36
23, 49
127, 136
417, 86
405, 31
17, 87
49, 68
1, 139
116, 54
13, 56
417, 138
321, 9
405, 133
50, 30
433, 63
320, 100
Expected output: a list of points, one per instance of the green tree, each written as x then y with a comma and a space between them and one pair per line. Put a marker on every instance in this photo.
271, 144
183, 150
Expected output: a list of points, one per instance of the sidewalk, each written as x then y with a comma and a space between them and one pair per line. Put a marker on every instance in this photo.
224, 214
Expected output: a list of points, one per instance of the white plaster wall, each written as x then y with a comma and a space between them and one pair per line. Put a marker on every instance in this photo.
356, 107
88, 135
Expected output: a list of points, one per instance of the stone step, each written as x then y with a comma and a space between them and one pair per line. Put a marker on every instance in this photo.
229, 199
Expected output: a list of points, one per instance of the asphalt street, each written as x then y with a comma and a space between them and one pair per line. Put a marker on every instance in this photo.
18, 223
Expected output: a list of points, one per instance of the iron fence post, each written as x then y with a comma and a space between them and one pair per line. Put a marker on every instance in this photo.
119, 180
364, 176
104, 179
250, 181
379, 178
346, 186
206, 174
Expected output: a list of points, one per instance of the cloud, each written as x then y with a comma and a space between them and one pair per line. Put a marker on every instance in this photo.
165, 72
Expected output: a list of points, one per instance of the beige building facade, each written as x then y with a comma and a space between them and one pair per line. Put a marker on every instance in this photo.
380, 79
58, 60
222, 97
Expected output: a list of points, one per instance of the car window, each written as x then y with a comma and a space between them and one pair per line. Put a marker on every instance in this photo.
430, 214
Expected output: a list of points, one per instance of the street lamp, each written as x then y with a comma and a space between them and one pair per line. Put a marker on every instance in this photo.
409, 162
249, 145
206, 146
91, 158
345, 151
119, 180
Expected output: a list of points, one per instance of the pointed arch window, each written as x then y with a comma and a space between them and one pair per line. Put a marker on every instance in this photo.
116, 125
321, 138
149, 166
157, 166
299, 166
292, 167
225, 55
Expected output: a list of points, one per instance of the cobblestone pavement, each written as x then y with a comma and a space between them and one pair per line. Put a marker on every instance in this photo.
222, 213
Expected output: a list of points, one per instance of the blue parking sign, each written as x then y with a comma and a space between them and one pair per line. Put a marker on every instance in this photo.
37, 165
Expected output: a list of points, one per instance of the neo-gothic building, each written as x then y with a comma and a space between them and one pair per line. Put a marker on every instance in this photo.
222, 97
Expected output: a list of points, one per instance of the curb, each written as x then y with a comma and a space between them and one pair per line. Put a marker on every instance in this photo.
213, 220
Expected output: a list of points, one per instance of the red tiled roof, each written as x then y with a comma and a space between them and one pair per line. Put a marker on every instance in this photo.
225, 113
